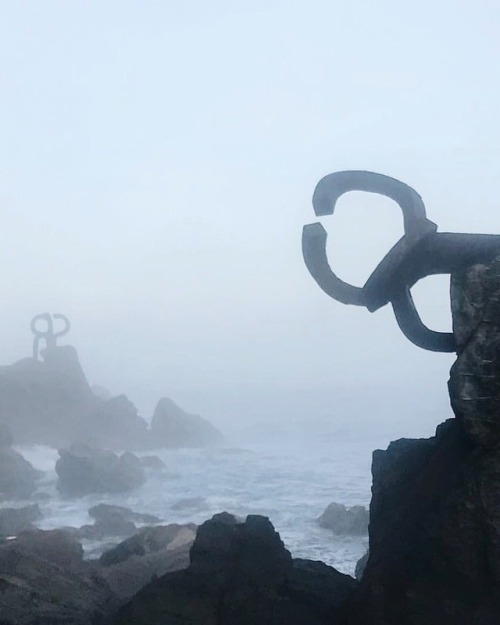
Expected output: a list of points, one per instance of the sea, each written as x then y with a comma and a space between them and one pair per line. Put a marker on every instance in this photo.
290, 481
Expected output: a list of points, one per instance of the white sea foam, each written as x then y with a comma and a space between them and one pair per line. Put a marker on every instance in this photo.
292, 486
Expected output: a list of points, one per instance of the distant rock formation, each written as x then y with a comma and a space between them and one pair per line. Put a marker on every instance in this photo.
240, 573
172, 427
347, 521
51, 403
82, 470
435, 512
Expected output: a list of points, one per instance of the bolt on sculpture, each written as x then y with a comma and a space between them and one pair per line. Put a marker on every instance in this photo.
48, 334
421, 252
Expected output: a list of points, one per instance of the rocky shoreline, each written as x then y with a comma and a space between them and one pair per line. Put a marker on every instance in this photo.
434, 533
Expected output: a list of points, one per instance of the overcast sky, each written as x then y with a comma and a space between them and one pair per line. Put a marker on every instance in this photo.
158, 160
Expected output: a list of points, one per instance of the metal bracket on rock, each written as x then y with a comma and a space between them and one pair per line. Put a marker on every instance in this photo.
48, 333
421, 252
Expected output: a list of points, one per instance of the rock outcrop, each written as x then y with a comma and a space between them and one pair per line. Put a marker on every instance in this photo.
18, 477
16, 520
172, 427
51, 403
435, 511
82, 470
345, 521
44, 581
151, 552
240, 573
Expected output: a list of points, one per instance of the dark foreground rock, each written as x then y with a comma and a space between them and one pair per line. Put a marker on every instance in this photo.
43, 581
240, 573
15, 520
173, 427
82, 469
435, 511
345, 521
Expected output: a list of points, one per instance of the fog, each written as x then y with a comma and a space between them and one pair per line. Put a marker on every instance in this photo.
157, 165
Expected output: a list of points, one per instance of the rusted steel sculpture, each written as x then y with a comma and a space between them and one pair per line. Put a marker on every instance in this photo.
421, 252
48, 334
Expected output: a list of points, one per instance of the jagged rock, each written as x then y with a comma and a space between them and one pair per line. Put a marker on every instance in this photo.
341, 520
240, 573
15, 520
82, 470
150, 553
435, 511
116, 424
44, 582
18, 477
172, 427
152, 462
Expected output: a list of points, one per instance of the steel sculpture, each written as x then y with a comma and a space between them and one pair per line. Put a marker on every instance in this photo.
48, 333
421, 252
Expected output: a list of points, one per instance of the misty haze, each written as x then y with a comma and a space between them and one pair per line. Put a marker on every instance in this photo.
158, 164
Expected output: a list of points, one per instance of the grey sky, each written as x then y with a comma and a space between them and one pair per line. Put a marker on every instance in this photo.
157, 165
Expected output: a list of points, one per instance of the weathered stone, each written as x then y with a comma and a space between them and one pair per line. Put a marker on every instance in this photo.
475, 376
172, 427
348, 521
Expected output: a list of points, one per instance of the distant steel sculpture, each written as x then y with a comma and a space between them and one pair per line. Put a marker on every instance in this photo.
48, 334
421, 252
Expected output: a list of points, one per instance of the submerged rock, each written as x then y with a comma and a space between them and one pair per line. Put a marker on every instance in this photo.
240, 573
104, 511
82, 470
172, 427
348, 521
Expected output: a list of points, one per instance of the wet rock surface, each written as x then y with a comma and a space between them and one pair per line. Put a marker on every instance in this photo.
240, 573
